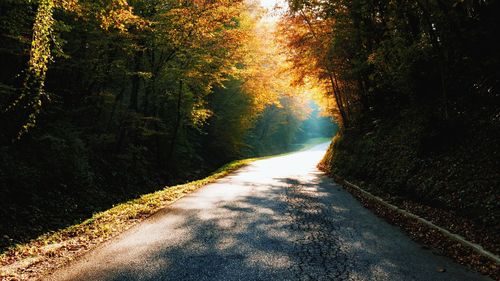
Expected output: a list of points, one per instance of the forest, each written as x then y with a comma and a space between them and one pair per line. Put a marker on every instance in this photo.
102, 101
416, 88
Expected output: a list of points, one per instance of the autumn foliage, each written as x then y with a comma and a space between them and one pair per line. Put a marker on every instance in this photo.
102, 101
416, 89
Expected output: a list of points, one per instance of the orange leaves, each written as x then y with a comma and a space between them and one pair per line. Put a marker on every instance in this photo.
307, 51
68, 5
307, 39
261, 68
205, 34
116, 14
119, 18
267, 73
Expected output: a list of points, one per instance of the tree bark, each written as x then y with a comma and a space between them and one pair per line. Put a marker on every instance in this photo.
134, 93
177, 124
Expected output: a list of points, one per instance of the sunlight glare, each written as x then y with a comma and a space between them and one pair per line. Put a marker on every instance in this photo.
269, 4
274, 8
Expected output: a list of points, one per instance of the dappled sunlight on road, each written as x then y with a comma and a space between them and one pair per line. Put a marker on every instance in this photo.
276, 219
299, 164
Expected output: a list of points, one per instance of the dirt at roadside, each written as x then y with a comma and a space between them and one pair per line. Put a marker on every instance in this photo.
445, 173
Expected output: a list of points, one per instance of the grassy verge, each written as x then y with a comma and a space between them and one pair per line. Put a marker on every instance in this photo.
52, 250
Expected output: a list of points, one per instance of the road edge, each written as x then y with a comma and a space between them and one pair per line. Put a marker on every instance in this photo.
441, 240
48, 252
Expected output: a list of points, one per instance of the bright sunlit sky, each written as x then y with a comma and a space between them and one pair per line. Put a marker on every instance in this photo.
270, 4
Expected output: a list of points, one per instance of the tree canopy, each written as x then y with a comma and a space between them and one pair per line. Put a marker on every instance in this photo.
103, 101
392, 55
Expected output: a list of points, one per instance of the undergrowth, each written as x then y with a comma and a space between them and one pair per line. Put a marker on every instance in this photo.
54, 249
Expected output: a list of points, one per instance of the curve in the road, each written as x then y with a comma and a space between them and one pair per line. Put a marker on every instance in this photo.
277, 219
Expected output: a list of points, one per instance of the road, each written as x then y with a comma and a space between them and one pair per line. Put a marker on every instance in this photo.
276, 219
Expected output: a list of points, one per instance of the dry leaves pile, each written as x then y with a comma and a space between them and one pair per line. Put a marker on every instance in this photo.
433, 239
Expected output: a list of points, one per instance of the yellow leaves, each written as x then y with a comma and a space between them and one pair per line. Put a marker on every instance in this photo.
200, 115
267, 72
144, 75
119, 15
201, 23
116, 14
372, 58
206, 37
40, 56
305, 38
68, 5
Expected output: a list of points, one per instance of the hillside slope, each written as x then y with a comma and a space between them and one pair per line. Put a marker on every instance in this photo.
446, 172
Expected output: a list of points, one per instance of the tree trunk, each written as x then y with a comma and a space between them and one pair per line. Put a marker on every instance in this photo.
134, 94
177, 123
338, 100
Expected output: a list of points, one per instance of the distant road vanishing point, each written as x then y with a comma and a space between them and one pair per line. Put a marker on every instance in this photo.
276, 219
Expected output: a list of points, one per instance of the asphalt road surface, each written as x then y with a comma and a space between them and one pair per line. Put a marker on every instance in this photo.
277, 219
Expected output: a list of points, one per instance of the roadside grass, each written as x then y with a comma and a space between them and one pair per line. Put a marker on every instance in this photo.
52, 250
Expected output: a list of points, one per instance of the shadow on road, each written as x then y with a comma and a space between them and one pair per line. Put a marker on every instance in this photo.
263, 223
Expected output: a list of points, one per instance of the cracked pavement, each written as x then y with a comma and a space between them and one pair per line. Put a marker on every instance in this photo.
276, 219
